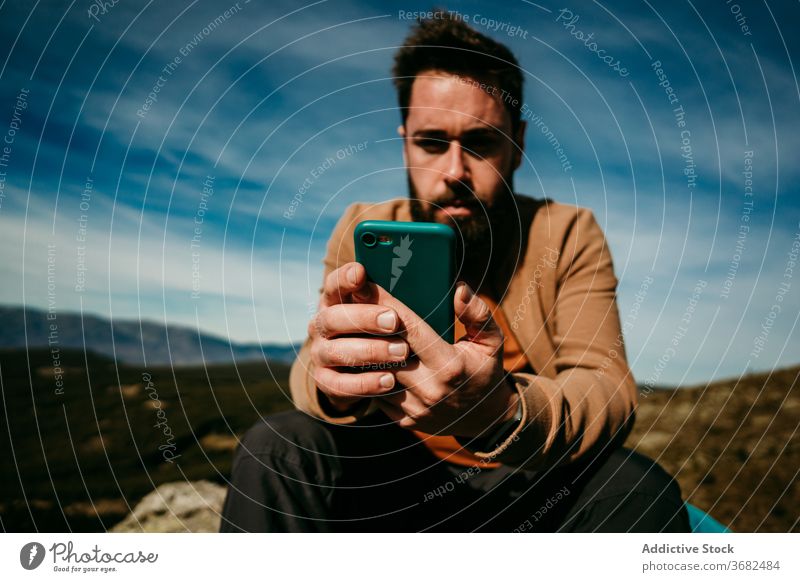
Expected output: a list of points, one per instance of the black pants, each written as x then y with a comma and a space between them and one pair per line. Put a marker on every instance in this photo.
294, 473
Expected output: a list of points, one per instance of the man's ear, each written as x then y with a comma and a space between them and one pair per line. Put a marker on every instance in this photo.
519, 138
401, 131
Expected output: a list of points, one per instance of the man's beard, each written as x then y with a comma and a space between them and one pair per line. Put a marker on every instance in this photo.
482, 236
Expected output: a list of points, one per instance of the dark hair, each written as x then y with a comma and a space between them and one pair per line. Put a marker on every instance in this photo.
444, 42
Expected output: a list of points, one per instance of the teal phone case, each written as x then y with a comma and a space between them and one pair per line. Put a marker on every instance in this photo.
415, 262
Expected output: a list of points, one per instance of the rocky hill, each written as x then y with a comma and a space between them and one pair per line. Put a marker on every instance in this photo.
733, 446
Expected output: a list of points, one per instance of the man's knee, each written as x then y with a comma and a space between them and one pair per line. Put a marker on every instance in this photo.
291, 435
283, 470
628, 469
631, 492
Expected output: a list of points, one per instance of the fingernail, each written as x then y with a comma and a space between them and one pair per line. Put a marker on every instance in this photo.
466, 293
397, 348
387, 320
352, 276
387, 380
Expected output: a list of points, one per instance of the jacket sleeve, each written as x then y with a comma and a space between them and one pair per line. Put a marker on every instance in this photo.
590, 402
305, 394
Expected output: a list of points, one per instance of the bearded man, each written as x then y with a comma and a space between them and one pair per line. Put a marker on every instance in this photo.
518, 425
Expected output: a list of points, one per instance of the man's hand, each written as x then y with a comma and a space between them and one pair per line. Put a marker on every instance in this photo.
458, 389
346, 333
455, 389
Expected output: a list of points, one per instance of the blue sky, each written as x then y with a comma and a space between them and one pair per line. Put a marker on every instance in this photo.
261, 98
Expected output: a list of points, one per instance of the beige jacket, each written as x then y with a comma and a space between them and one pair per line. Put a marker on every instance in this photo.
557, 289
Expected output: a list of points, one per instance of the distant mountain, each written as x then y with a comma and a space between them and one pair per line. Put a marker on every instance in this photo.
130, 341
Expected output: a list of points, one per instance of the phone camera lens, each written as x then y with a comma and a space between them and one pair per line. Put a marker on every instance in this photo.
368, 239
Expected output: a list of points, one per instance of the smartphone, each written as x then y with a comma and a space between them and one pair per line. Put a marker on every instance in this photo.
415, 262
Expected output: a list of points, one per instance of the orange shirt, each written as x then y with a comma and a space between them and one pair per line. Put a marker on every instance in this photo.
447, 447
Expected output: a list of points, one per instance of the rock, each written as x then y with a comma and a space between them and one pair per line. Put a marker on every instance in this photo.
182, 506
219, 442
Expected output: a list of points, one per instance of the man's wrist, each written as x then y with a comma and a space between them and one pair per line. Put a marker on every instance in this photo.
510, 421
499, 431
514, 407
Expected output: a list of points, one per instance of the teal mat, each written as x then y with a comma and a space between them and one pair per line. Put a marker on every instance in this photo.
701, 522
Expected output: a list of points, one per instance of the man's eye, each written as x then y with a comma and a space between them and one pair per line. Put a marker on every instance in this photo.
482, 147
433, 145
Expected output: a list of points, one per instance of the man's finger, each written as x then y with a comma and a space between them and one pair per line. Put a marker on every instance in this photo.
342, 283
358, 351
477, 318
403, 408
395, 414
353, 318
422, 339
337, 384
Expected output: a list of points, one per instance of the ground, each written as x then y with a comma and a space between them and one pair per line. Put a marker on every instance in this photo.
80, 459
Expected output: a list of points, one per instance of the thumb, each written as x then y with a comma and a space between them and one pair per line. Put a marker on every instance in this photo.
477, 318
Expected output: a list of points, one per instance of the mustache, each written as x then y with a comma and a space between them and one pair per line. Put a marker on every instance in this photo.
460, 196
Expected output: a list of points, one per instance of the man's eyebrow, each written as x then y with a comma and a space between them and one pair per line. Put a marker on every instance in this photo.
429, 133
474, 132
483, 132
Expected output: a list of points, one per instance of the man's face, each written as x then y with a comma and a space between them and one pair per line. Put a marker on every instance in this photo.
459, 155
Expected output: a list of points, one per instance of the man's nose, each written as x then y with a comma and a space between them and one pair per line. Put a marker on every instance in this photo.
457, 170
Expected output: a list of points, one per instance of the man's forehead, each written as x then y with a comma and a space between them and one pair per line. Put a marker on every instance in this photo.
439, 98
